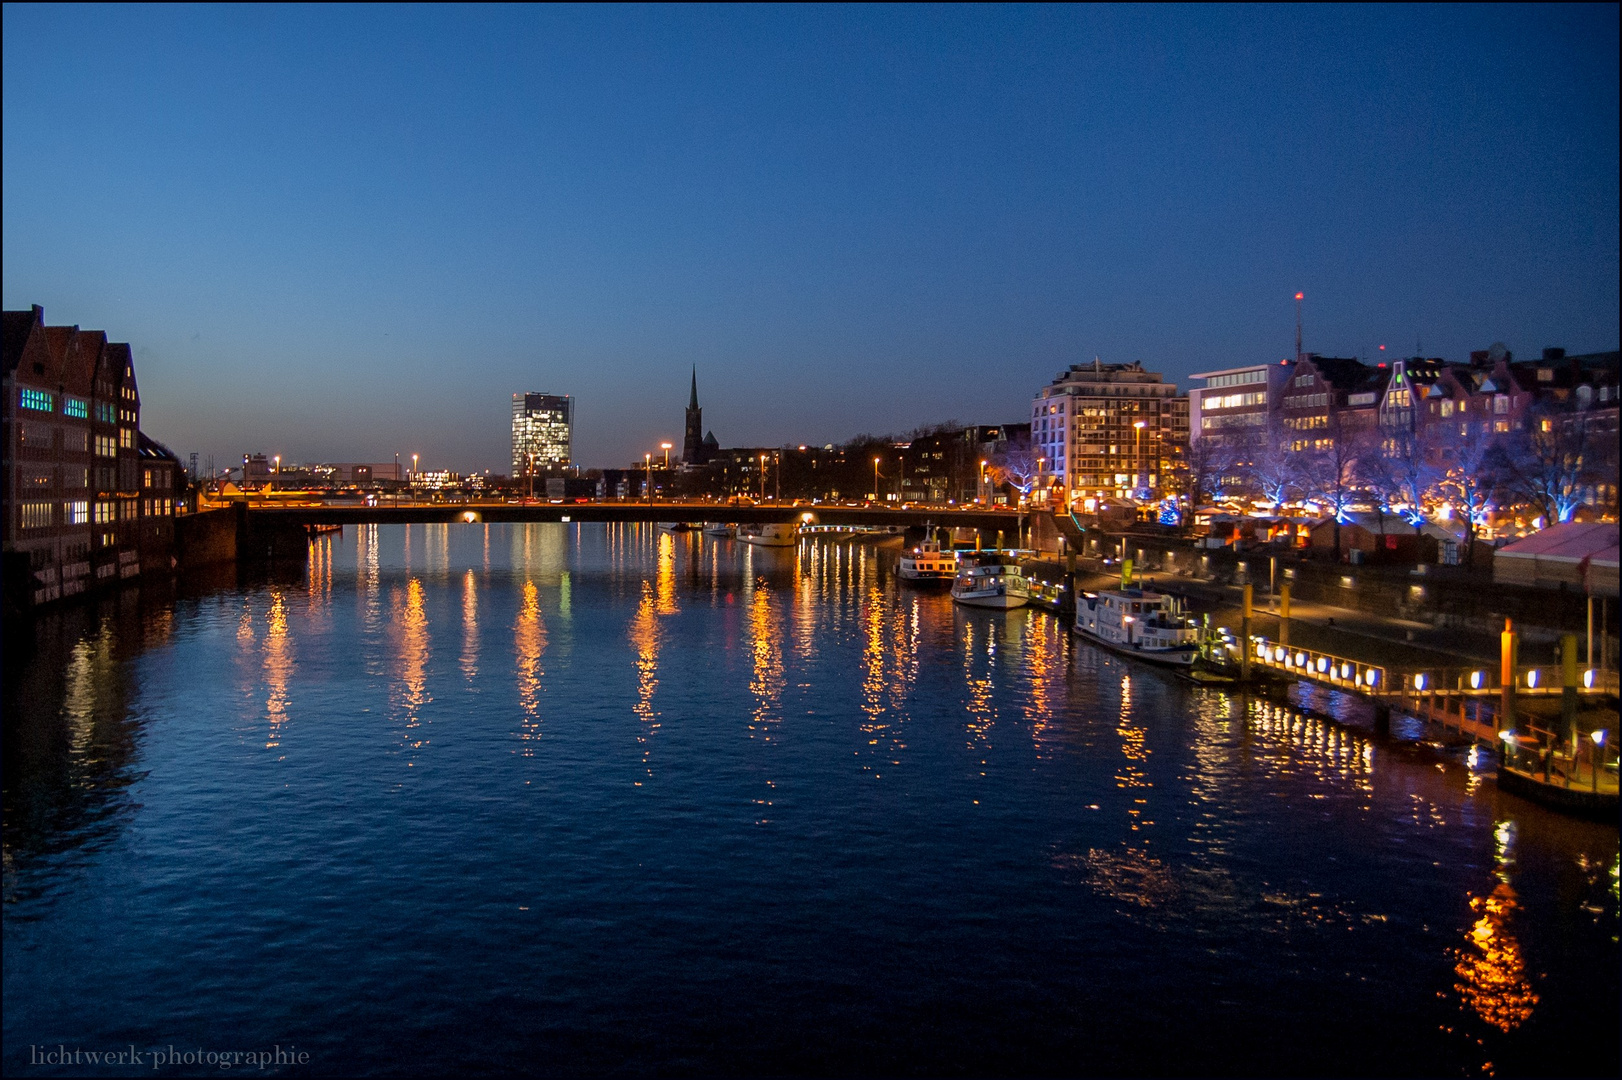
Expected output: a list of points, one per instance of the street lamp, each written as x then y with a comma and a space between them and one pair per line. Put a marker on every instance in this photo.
647, 476
277, 482
980, 491
1137, 453
666, 448
875, 479
413, 468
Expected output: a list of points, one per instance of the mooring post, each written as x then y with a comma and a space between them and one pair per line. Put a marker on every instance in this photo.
1507, 642
1568, 690
1382, 718
1245, 646
1069, 580
1284, 614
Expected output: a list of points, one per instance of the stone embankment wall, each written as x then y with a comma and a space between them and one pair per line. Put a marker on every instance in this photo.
206, 539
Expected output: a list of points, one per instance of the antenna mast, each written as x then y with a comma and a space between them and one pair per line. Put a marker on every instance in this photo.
1298, 298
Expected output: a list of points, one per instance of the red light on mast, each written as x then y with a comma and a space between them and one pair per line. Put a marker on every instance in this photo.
1300, 296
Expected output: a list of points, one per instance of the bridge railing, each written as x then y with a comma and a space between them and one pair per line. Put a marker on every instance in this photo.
1479, 680
1339, 671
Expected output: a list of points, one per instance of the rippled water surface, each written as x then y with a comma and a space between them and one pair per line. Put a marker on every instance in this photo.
585, 798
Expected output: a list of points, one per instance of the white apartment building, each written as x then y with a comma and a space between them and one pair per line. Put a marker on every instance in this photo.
1107, 430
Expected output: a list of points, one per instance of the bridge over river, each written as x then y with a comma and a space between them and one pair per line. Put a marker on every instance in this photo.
280, 529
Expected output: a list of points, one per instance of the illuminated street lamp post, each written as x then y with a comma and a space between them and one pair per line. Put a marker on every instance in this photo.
1137, 455
875, 479
276, 479
980, 491
647, 476
763, 478
666, 448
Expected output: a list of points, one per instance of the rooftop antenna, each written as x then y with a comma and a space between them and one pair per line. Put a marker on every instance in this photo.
1298, 298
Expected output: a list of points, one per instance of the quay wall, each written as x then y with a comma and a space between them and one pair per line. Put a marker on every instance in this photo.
206, 538
1447, 597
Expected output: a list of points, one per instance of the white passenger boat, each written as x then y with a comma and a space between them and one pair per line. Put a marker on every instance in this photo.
985, 580
777, 534
718, 529
927, 563
1138, 622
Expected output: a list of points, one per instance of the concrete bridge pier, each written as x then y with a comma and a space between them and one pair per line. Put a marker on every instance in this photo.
1382, 718
262, 539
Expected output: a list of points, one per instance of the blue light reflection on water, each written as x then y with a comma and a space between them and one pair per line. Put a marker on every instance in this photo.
601, 798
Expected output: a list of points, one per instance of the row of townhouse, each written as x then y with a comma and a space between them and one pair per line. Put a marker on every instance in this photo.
89, 500
1308, 404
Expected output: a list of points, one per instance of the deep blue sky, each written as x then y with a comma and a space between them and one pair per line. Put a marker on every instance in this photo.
337, 233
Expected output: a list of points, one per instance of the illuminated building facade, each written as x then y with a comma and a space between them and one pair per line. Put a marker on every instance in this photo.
543, 432
88, 499
1106, 430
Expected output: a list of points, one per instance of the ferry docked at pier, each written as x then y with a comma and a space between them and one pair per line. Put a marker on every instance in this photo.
776, 534
927, 564
1138, 622
989, 579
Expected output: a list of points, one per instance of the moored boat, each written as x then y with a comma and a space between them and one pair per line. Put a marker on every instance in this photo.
984, 579
1138, 622
718, 529
776, 534
927, 563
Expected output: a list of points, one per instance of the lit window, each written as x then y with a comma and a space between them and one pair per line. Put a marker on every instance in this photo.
126, 438
36, 515
38, 400
78, 513
74, 406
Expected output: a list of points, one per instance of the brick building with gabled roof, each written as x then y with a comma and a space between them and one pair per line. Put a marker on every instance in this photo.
83, 506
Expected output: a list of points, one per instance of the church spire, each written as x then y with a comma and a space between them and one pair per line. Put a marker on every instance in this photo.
692, 402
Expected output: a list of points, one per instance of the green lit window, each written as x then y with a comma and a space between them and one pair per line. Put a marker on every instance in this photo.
106, 413
38, 399
74, 406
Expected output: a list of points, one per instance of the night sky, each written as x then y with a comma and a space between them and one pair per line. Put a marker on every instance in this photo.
338, 233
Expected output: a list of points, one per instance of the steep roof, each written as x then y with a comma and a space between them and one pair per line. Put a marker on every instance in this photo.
18, 326
1341, 372
149, 447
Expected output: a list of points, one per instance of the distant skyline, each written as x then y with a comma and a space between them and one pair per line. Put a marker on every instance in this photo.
338, 233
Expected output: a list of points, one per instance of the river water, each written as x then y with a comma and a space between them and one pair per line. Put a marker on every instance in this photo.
577, 798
